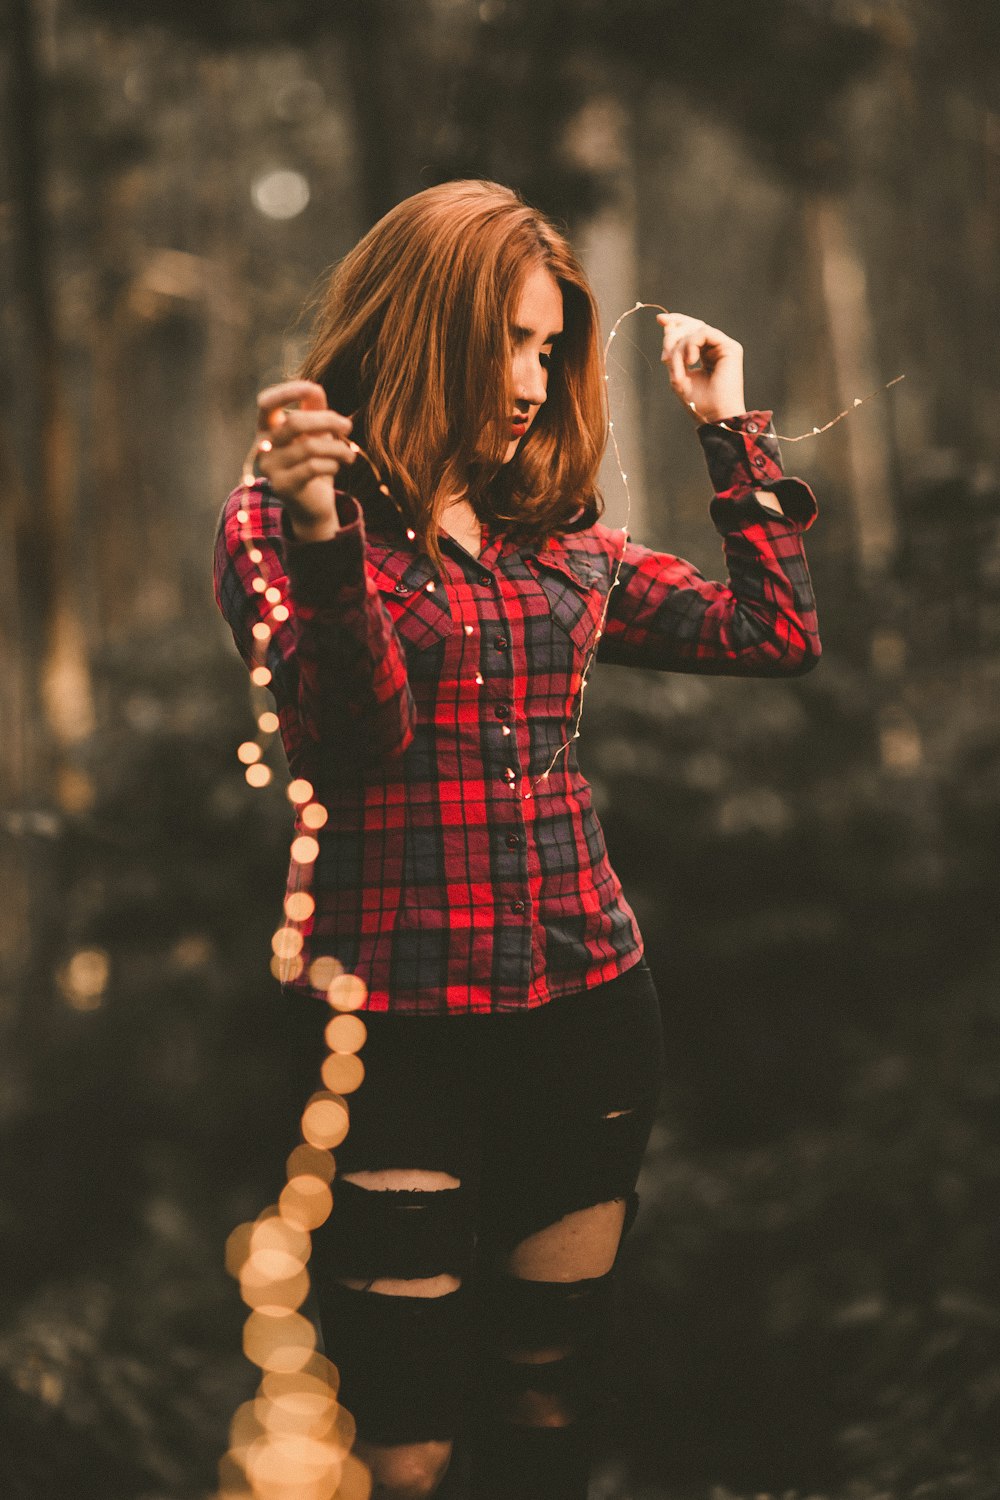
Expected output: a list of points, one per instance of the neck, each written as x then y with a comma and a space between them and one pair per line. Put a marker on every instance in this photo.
460, 521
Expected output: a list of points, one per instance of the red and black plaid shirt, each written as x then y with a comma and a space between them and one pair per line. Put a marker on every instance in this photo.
425, 706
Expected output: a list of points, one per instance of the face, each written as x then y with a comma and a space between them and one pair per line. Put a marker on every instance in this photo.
538, 322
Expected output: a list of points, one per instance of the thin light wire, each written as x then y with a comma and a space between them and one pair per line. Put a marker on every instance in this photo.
599, 631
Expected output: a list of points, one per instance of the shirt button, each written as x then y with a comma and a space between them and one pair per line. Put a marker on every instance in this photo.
485, 579
759, 462
513, 841
402, 588
500, 642
517, 907
502, 711
752, 427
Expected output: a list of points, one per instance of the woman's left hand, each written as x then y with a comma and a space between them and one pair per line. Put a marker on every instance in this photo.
705, 367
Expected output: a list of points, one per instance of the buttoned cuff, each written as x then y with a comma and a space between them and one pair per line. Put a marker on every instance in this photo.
742, 453
317, 571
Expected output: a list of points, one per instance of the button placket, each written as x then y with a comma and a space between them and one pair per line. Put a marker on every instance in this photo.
498, 680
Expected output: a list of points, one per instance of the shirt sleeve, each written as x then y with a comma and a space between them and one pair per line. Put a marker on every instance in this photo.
761, 622
338, 673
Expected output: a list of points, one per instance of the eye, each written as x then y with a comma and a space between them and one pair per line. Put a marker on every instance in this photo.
545, 360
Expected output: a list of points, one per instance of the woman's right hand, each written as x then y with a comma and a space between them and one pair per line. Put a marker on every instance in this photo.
299, 450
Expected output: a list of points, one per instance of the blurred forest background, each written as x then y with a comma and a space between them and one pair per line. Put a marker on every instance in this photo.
810, 1299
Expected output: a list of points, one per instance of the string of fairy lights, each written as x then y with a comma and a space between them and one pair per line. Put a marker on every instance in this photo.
294, 1440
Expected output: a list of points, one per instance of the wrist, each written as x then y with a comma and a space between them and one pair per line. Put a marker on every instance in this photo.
313, 530
716, 416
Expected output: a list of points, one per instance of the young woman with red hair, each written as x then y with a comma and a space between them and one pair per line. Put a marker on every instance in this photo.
428, 682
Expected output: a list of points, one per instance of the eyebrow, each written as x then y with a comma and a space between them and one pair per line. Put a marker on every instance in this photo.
527, 333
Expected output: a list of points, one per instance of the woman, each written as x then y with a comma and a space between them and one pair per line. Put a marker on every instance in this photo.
428, 683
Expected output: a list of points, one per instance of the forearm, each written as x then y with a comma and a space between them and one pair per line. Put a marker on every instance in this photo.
762, 620
337, 670
351, 666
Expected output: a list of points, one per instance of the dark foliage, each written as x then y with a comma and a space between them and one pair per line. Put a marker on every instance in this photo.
810, 1300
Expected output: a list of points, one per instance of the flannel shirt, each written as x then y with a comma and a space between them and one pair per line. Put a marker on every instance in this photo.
425, 705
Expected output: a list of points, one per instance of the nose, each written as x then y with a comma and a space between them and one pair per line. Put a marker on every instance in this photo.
529, 380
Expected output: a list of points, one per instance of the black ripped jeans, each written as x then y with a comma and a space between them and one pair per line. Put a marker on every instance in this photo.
536, 1114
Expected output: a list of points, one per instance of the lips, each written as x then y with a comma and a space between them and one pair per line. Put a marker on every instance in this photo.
519, 425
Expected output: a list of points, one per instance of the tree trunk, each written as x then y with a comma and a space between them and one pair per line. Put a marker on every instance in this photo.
56, 667
868, 461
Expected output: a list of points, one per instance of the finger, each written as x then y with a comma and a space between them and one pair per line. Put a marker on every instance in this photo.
671, 343
289, 480
270, 400
678, 375
719, 344
678, 332
693, 351
679, 323
318, 447
315, 445
299, 422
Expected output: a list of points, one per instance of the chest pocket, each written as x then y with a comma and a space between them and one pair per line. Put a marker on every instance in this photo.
414, 598
575, 589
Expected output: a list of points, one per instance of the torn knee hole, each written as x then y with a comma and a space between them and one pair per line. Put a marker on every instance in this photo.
403, 1180
540, 1409
403, 1286
397, 1234
544, 1356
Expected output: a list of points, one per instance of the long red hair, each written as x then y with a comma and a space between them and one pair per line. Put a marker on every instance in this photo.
412, 338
